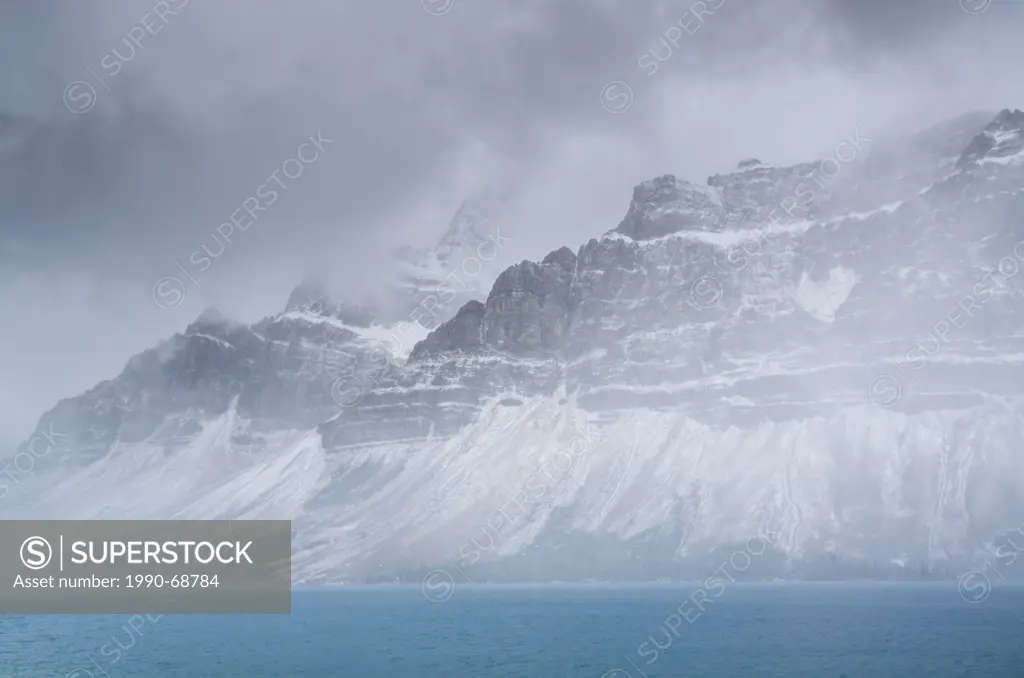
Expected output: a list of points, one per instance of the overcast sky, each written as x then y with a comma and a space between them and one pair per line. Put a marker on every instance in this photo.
116, 166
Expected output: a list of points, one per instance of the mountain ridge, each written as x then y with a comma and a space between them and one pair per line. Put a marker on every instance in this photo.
696, 359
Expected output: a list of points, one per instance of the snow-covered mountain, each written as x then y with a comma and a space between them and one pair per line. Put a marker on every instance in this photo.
829, 356
461, 267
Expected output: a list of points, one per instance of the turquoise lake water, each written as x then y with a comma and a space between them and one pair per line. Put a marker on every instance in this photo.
792, 630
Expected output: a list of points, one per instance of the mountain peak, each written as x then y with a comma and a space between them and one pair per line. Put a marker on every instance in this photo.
1009, 119
1001, 142
466, 230
210, 319
463, 264
307, 295
562, 257
211, 315
751, 163
665, 205
474, 224
313, 296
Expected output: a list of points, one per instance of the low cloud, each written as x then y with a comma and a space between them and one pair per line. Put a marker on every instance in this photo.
427, 108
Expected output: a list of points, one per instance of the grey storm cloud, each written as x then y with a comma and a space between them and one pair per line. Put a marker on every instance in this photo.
195, 104
200, 112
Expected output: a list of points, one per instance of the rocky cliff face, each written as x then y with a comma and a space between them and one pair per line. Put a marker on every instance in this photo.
831, 352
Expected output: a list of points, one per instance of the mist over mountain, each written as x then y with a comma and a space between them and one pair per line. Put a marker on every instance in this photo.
823, 357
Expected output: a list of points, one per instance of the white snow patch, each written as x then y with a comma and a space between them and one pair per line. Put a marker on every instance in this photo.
398, 339
715, 193
822, 300
1013, 159
724, 239
1004, 359
219, 342
733, 237
492, 488
863, 216
1005, 136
